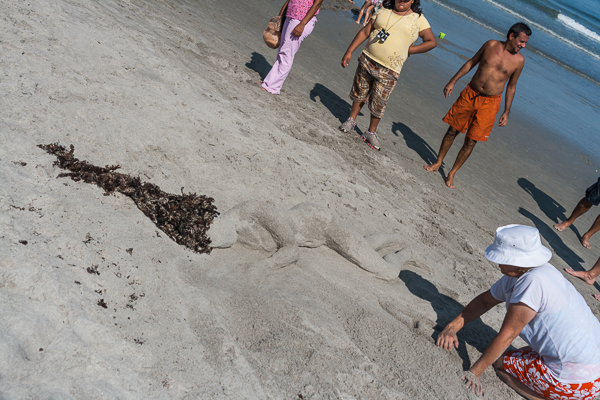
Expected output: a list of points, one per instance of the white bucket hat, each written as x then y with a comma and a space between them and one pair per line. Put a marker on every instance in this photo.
518, 245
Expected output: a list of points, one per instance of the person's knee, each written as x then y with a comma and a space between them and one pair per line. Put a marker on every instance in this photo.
586, 203
452, 132
470, 143
499, 364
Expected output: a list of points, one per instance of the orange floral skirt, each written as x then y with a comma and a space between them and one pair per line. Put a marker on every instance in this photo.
529, 368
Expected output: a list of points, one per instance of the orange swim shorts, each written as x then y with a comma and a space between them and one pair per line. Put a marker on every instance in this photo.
529, 368
474, 111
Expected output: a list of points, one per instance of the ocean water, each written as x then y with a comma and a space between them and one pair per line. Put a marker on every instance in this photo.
566, 31
559, 89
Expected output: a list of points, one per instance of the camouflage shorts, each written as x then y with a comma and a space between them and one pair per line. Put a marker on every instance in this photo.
373, 83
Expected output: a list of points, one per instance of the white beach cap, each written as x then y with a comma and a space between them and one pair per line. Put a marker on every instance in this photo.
518, 245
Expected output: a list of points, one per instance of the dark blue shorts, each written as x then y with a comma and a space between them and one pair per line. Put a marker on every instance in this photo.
593, 193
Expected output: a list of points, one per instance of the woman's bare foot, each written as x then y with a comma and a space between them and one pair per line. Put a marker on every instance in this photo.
585, 242
562, 226
596, 296
583, 275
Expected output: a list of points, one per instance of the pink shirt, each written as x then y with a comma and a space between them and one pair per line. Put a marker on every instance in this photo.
297, 9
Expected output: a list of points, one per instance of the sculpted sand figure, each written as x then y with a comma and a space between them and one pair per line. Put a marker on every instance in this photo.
475, 110
261, 226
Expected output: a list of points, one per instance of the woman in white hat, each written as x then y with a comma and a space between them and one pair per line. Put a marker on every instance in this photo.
562, 360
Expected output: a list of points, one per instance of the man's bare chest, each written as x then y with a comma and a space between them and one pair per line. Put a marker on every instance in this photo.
499, 64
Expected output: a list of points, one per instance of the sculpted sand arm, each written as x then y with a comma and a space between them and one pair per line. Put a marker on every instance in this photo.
258, 226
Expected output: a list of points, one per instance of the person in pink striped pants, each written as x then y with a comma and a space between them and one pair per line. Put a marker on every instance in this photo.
299, 23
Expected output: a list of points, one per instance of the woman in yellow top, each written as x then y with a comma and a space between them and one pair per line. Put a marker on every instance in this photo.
391, 35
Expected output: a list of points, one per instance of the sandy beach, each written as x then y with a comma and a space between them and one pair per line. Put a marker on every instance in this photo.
98, 303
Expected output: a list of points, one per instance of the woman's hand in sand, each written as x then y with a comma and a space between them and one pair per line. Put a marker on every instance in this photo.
346, 59
472, 382
447, 339
298, 30
448, 89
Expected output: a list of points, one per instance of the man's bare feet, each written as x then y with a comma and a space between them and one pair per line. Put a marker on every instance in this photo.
583, 275
432, 167
596, 296
562, 226
585, 242
450, 181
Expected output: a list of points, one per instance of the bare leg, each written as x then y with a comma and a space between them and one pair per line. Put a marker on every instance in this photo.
374, 123
369, 9
444, 147
356, 249
356, 107
462, 156
360, 14
513, 382
581, 208
588, 276
585, 239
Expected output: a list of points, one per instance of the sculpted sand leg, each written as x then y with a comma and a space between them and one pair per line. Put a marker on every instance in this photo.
261, 226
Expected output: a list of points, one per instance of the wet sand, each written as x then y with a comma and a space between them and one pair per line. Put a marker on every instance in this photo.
98, 303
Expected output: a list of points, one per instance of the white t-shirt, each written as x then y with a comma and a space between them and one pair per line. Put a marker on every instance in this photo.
564, 331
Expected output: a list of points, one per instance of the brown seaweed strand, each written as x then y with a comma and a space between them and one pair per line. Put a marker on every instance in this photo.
184, 218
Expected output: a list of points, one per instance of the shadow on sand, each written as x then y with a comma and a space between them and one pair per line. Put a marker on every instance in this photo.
476, 334
556, 243
553, 209
337, 106
415, 142
259, 64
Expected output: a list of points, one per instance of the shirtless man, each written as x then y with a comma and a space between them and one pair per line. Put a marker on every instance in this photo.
479, 102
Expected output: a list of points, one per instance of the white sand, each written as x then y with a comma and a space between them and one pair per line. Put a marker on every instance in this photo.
168, 90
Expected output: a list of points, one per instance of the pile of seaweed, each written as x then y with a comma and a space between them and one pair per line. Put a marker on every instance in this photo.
184, 218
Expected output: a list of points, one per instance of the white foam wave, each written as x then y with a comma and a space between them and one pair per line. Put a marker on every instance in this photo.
576, 26
462, 14
524, 19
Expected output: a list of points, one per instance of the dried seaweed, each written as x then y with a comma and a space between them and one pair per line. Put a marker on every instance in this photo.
184, 218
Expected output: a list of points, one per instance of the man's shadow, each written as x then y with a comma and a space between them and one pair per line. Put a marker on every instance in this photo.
557, 244
334, 103
259, 64
553, 210
416, 143
476, 334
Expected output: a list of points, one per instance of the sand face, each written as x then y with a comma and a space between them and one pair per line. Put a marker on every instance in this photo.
98, 303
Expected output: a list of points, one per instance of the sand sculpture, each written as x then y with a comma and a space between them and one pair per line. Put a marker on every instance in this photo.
187, 217
264, 227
